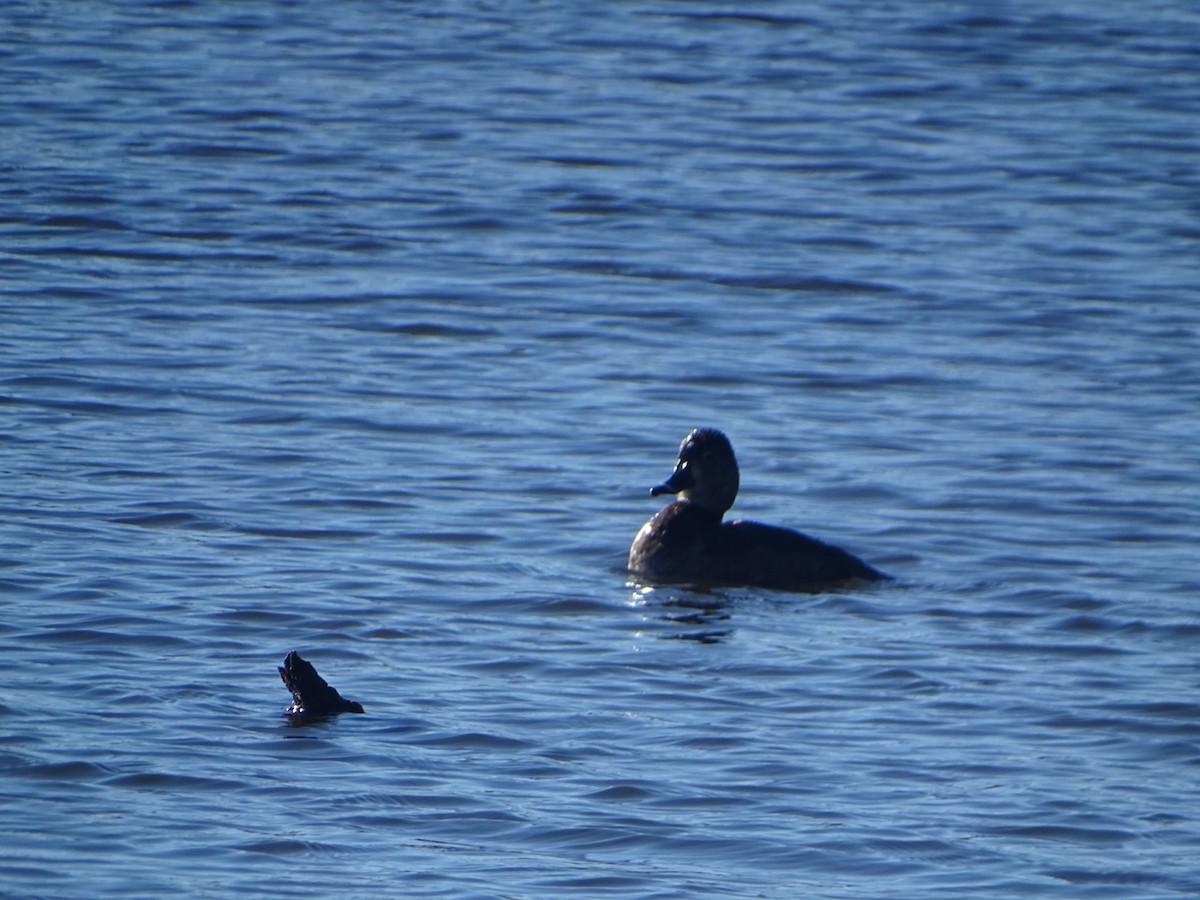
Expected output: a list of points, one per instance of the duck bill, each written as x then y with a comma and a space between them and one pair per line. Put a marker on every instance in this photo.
680, 480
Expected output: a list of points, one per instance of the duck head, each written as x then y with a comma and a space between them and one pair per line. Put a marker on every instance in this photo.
706, 472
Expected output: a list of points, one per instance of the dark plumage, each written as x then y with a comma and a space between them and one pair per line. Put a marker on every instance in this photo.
311, 694
686, 541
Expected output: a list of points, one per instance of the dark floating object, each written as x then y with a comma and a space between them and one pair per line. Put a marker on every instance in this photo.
312, 697
686, 541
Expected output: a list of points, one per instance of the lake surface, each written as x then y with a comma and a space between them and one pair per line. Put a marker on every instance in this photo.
363, 329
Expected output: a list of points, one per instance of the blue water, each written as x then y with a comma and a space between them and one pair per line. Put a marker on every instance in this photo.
363, 329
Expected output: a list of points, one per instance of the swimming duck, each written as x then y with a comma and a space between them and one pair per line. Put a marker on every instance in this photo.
686, 541
312, 696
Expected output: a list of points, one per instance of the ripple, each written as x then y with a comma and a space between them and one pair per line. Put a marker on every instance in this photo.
286, 848
160, 781
166, 520
67, 771
1099, 837
475, 741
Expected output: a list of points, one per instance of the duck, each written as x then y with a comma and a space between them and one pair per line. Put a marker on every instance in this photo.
687, 542
312, 697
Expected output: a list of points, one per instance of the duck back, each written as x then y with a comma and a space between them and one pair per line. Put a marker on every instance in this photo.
748, 552
687, 543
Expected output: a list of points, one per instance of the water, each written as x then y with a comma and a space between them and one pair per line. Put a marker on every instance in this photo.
363, 329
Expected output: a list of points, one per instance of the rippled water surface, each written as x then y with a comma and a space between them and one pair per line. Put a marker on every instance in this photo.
363, 329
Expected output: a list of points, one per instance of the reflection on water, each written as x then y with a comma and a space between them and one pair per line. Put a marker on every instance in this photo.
699, 615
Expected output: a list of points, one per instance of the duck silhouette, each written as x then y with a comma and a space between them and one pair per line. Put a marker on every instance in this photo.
686, 541
312, 696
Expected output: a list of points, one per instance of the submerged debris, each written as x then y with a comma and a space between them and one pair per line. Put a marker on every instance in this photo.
312, 696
